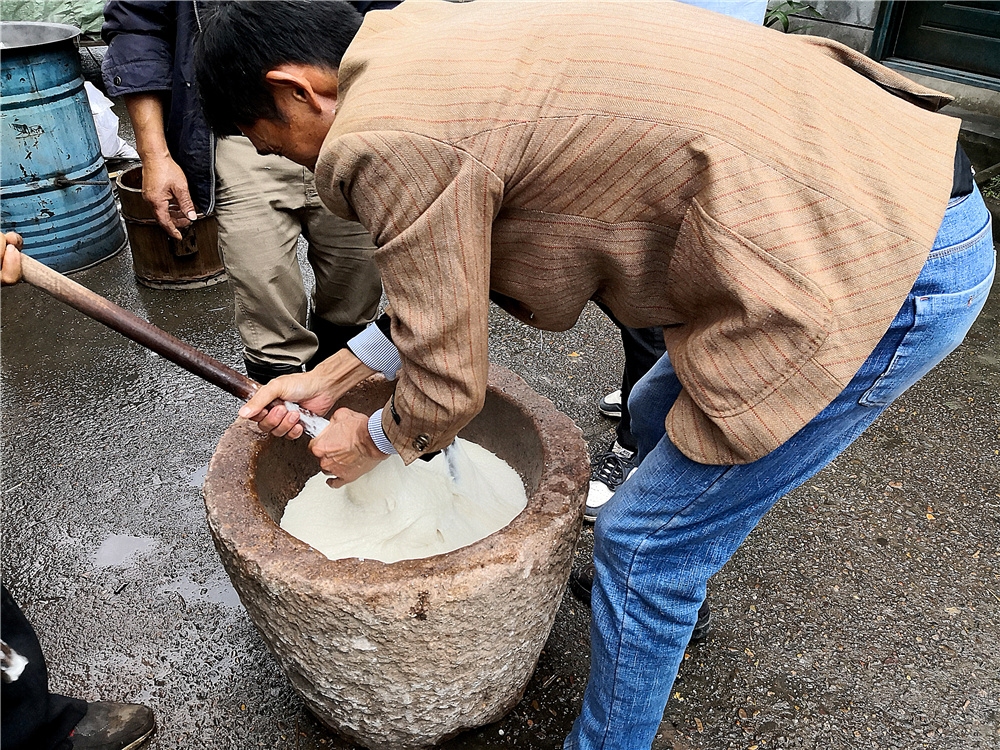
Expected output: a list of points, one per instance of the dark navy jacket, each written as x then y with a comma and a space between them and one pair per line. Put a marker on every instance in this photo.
151, 48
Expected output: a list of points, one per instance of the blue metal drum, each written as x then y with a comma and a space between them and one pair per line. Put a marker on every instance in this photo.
55, 188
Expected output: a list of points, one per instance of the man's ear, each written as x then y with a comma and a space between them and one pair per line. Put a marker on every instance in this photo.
303, 83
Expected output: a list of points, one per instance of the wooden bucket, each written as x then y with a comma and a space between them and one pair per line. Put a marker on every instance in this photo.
160, 261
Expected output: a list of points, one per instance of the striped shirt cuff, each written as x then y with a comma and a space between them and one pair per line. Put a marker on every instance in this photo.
376, 351
378, 434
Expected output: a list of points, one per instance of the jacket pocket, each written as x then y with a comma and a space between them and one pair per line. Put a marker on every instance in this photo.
751, 319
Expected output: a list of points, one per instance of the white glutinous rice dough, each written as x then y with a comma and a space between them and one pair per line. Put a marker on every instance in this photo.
397, 512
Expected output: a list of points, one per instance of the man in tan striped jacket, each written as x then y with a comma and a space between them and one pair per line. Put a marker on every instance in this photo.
770, 200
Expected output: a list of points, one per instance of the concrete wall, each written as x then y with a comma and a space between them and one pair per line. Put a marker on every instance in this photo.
848, 21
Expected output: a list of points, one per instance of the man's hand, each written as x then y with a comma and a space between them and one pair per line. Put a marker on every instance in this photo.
307, 389
10, 271
165, 188
345, 449
164, 185
316, 391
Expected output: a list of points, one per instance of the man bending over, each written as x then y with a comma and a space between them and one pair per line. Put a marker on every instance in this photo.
811, 244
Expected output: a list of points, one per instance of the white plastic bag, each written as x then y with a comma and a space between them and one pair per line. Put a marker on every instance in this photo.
112, 146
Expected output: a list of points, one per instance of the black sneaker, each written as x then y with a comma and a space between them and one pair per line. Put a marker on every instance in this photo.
582, 581
113, 726
611, 405
607, 473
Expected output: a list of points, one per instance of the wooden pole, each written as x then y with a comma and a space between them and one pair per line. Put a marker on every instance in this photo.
135, 328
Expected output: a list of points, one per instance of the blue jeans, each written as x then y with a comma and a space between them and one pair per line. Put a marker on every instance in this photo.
675, 522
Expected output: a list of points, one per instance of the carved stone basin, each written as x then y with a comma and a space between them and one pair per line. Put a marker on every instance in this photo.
404, 655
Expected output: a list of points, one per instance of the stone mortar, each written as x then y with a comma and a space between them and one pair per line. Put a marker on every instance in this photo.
405, 655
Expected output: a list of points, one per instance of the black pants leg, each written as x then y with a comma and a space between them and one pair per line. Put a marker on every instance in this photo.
643, 347
32, 717
332, 338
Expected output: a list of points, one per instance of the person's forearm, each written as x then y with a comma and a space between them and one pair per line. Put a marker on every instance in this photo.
164, 184
343, 370
146, 113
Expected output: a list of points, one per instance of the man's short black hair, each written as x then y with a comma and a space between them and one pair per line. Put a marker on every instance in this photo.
241, 41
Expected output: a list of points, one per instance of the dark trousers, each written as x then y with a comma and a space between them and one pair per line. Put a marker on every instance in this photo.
643, 347
32, 717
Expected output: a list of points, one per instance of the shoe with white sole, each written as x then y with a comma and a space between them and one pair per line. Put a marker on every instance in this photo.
608, 472
611, 405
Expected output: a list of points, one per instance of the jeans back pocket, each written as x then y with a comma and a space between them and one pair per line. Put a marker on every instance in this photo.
940, 323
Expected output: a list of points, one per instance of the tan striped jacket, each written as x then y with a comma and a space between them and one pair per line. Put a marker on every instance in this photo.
763, 196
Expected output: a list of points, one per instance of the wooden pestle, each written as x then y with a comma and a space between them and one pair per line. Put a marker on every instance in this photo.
133, 327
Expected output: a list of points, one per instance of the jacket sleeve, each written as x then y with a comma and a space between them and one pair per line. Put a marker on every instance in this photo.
140, 37
430, 209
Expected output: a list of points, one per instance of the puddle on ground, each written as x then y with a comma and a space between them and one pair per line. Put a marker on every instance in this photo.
215, 591
120, 549
197, 478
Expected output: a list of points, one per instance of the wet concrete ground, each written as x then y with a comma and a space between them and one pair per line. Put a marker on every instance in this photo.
863, 613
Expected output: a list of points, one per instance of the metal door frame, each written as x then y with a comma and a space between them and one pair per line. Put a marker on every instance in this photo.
886, 32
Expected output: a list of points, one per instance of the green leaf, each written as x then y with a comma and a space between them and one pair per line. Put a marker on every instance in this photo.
780, 13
